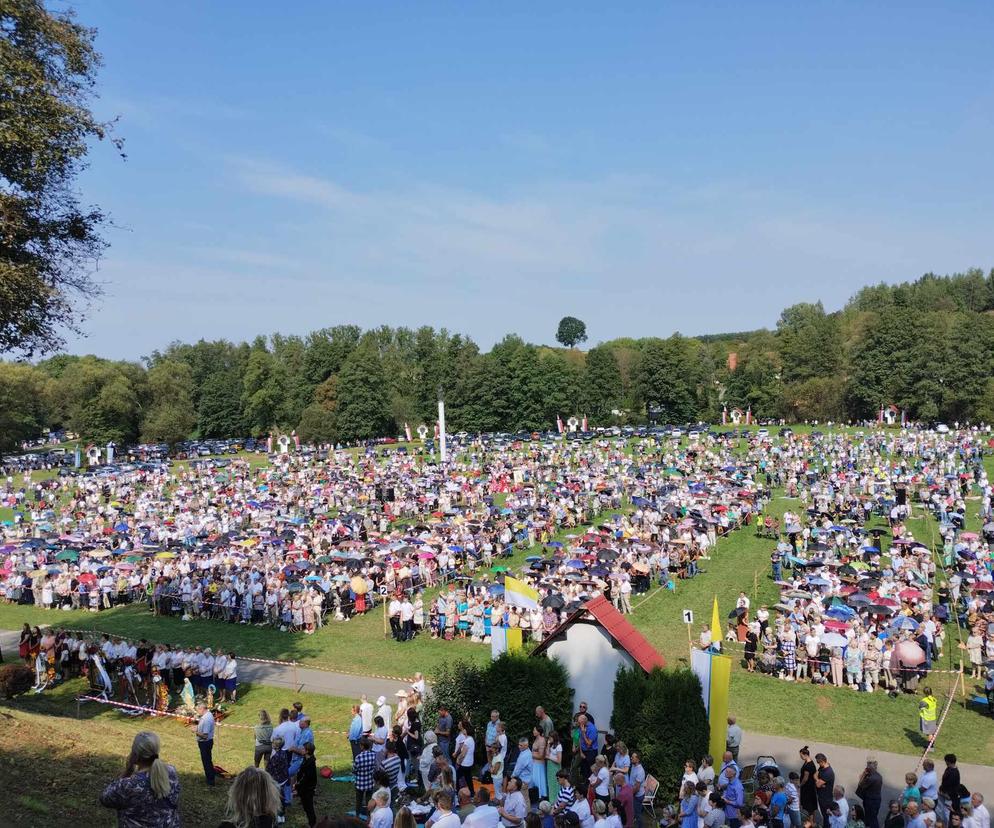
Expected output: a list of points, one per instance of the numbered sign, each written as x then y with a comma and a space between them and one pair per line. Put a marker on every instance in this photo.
688, 616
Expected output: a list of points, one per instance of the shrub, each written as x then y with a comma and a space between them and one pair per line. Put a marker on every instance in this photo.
459, 685
515, 684
661, 715
15, 679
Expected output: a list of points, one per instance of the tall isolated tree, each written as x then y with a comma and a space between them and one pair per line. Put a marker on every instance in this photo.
571, 331
49, 241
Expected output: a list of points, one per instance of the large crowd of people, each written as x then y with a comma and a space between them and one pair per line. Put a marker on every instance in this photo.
405, 774
863, 602
878, 581
306, 540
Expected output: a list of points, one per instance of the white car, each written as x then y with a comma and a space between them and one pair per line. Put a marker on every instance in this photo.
763, 433
942, 428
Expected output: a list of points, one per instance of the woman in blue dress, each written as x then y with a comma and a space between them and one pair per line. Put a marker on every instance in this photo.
688, 806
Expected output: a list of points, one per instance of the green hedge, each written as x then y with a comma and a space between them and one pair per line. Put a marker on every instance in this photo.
515, 684
661, 715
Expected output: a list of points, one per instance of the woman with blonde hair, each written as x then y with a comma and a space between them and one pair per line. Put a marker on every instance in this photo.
404, 819
147, 794
253, 800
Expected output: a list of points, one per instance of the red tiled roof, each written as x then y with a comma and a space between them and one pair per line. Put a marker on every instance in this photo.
623, 633
629, 638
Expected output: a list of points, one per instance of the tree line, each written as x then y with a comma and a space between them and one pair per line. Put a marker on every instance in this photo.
926, 347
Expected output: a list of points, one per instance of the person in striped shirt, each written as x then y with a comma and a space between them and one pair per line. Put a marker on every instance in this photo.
567, 796
391, 767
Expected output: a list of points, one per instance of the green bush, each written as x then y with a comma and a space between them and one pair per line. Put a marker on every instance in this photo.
459, 685
515, 684
15, 679
661, 715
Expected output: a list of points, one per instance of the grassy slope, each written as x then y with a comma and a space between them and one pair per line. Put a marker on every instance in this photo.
55, 766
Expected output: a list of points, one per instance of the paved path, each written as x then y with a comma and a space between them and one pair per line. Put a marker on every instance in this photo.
847, 761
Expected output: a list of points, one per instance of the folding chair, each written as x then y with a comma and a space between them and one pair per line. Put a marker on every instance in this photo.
649, 791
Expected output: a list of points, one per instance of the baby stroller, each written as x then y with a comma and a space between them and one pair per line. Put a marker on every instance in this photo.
751, 774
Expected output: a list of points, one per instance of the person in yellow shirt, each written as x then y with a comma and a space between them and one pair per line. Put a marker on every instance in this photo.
928, 709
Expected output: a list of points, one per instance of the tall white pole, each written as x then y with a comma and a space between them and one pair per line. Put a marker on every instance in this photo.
442, 453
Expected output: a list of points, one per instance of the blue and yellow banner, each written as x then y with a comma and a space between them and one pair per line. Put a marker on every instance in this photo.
715, 673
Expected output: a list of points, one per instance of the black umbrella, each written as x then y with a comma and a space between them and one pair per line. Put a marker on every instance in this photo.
880, 609
553, 602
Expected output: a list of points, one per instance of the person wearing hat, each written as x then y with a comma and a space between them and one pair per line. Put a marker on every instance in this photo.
384, 711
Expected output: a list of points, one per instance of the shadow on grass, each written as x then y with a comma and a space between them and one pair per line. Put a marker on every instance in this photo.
916, 738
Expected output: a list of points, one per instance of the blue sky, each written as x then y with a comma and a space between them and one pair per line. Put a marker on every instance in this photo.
490, 167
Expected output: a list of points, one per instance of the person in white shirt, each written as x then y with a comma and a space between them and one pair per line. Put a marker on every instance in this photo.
485, 815
981, 815
366, 712
514, 810
418, 685
380, 814
839, 795
288, 731
220, 663
384, 710
443, 816
582, 808
464, 756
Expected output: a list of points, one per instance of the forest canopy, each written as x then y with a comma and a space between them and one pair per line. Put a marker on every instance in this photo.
926, 347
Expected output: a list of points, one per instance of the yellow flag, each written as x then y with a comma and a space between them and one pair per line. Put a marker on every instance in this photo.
716, 631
